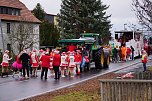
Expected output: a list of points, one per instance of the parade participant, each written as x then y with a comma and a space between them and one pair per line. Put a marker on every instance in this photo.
41, 53
51, 66
123, 50
17, 65
25, 63
35, 61
144, 59
63, 64
5, 63
71, 47
78, 60
132, 53
71, 64
67, 59
56, 64
128, 53
45, 63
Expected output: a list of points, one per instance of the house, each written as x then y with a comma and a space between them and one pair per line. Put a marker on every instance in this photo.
14, 15
52, 18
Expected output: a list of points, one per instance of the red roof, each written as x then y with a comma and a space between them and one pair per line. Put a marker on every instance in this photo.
25, 14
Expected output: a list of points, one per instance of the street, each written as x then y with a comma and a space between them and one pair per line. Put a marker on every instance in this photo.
12, 90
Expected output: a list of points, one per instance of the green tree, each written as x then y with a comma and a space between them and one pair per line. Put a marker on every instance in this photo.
77, 16
39, 12
49, 33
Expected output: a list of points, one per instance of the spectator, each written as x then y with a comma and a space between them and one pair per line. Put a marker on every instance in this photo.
144, 59
132, 53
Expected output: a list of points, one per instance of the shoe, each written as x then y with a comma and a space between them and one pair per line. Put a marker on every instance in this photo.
55, 78
62, 76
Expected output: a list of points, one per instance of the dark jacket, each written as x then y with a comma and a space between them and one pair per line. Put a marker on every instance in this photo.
24, 58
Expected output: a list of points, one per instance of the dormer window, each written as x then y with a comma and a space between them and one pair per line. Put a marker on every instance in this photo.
9, 11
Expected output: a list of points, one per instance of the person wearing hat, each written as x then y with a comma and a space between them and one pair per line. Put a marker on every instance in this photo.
34, 62
45, 63
71, 62
5, 63
63, 64
56, 63
25, 64
78, 60
144, 59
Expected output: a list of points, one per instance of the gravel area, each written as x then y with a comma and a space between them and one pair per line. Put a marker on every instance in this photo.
92, 85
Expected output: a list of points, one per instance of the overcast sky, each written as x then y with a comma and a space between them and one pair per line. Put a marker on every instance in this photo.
120, 10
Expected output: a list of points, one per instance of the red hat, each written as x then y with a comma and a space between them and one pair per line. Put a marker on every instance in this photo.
34, 50
41, 50
63, 53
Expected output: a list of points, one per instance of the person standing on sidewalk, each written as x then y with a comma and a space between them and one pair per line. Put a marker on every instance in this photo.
45, 63
56, 64
132, 53
25, 63
144, 59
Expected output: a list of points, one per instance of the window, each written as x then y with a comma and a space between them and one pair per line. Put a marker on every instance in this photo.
8, 27
9, 10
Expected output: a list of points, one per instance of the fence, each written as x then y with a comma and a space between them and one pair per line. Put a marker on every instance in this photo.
126, 90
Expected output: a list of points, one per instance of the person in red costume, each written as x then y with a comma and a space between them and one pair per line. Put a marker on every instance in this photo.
71, 47
56, 63
35, 62
78, 60
45, 63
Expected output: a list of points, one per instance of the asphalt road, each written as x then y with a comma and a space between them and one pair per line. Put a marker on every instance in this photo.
12, 90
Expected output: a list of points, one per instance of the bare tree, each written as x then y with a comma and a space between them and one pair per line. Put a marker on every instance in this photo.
22, 36
143, 9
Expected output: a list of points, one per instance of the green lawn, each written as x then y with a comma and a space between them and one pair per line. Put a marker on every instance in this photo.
78, 96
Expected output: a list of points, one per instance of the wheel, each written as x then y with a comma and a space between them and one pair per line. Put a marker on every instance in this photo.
98, 59
106, 60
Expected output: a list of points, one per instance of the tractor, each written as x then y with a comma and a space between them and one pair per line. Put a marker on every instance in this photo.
97, 53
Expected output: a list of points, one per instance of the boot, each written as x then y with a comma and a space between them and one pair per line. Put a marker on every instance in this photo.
2, 75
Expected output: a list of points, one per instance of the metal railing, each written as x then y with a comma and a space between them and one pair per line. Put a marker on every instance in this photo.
126, 90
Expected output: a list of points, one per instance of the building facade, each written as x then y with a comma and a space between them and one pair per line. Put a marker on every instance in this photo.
19, 28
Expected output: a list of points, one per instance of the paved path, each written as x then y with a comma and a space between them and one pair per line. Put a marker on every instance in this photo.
11, 90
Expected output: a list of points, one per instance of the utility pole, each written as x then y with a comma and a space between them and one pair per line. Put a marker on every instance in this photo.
2, 35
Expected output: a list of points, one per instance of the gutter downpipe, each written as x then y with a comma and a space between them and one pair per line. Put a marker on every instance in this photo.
2, 35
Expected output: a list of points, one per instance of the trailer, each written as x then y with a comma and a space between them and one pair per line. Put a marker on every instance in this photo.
130, 38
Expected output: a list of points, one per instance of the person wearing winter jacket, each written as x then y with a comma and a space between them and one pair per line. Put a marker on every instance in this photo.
56, 63
144, 59
45, 63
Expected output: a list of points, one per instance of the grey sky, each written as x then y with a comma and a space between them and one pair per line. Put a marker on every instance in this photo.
121, 10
